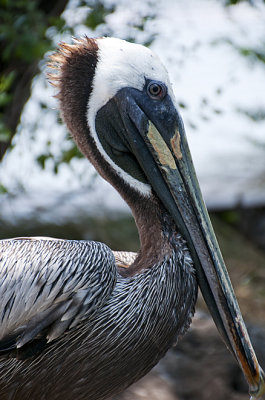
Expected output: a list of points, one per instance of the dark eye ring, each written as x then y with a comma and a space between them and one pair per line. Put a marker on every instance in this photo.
156, 90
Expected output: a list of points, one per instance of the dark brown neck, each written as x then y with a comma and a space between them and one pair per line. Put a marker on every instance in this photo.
155, 228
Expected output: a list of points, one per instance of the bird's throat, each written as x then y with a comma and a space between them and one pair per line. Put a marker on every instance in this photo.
157, 234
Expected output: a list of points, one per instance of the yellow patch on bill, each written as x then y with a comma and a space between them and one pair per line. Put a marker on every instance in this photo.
175, 144
163, 153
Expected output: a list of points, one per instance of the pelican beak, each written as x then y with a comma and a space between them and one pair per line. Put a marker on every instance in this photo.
163, 153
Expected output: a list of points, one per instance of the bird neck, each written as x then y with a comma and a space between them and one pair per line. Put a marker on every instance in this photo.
157, 233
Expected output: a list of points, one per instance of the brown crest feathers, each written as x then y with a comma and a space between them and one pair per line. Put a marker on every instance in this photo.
84, 47
72, 70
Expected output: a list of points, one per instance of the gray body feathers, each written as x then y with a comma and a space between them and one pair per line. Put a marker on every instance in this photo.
104, 331
51, 284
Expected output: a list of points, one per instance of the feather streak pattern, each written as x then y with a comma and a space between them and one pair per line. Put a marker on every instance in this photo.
85, 317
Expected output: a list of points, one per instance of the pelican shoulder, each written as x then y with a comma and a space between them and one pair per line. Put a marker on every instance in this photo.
49, 285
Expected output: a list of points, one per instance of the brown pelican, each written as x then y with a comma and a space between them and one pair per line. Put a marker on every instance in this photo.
79, 321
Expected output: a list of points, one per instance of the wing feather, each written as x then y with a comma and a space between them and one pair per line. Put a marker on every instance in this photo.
49, 285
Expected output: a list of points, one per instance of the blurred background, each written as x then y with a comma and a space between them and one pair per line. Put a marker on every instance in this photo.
214, 51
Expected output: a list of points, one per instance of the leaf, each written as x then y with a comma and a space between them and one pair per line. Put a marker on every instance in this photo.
6, 81
3, 189
5, 133
98, 14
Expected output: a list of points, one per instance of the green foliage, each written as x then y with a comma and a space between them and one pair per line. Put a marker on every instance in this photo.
98, 13
99, 10
23, 42
254, 54
231, 217
3, 190
228, 3
5, 133
22, 30
6, 97
6, 81
66, 156
257, 115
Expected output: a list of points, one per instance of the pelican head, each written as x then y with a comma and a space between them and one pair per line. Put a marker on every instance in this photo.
117, 101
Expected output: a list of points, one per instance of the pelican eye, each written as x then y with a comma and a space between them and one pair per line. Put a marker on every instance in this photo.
156, 90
